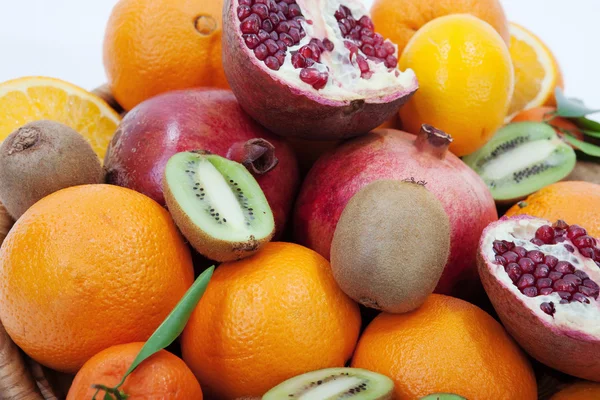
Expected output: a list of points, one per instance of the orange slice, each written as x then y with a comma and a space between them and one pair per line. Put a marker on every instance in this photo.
537, 73
33, 98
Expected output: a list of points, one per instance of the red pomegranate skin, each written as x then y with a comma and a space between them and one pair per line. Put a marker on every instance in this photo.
392, 154
197, 119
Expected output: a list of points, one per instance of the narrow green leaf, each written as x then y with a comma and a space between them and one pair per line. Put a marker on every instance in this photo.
587, 148
173, 325
587, 124
594, 134
571, 108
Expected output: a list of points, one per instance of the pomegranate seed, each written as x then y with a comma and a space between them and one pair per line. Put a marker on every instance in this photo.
570, 248
550, 261
250, 24
501, 260
243, 12
366, 22
343, 29
261, 10
261, 52
380, 52
263, 35
355, 33
281, 16
274, 18
290, 1
588, 252
298, 60
510, 256
525, 281
283, 27
267, 25
306, 51
564, 267
559, 239
541, 271
573, 279
309, 75
545, 234
285, 8
580, 298
560, 233
498, 246
548, 308
347, 24
370, 51
582, 275
521, 251
320, 84
352, 47
588, 291
295, 11
369, 41
554, 275
530, 292
536, 256
546, 291
272, 63
591, 284
271, 46
315, 50
251, 40
352, 21
328, 44
378, 38
294, 34
543, 283
574, 231
389, 48
280, 56
265, 2
340, 14
366, 32
560, 224
274, 35
508, 244
391, 61
286, 39
537, 242
564, 295
246, 2
362, 64
294, 24
281, 44
527, 264
346, 10
563, 286
584, 241
310, 62
318, 43
514, 271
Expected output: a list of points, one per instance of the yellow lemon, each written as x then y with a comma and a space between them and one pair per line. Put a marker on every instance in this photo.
466, 80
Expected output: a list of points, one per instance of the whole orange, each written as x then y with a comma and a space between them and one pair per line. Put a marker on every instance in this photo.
267, 318
399, 20
154, 46
579, 391
89, 267
575, 202
162, 376
544, 114
446, 346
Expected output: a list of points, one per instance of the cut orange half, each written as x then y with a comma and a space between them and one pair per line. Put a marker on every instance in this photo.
537, 73
33, 98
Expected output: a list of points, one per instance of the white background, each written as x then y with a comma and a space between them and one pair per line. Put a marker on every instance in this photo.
63, 39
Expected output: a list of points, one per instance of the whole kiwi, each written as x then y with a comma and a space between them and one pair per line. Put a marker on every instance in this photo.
391, 245
41, 158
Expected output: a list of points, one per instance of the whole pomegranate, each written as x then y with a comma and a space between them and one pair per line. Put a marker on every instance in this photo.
544, 282
392, 154
312, 69
200, 119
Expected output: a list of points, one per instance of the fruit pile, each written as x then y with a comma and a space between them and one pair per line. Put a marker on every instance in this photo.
277, 199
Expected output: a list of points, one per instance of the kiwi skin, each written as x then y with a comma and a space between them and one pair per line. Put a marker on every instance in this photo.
41, 158
391, 245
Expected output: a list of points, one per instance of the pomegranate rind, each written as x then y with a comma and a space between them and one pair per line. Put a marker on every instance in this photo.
291, 111
564, 346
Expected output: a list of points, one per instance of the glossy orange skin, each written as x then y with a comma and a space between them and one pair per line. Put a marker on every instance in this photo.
446, 346
399, 20
579, 391
87, 268
162, 376
541, 114
575, 202
267, 318
155, 46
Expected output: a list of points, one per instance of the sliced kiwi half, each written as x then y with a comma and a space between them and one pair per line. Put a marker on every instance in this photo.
333, 384
443, 396
218, 205
522, 158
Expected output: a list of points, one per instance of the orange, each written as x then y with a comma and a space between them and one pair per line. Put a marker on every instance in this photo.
537, 73
579, 391
266, 319
155, 46
399, 20
446, 346
574, 202
89, 267
162, 376
544, 114
33, 98
466, 80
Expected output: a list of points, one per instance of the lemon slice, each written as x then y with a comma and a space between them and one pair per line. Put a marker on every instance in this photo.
33, 98
536, 71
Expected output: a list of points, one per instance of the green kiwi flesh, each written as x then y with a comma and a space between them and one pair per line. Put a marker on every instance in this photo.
443, 396
391, 245
333, 384
522, 158
218, 205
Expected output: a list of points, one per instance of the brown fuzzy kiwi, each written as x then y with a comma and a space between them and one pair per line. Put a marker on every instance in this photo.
43, 157
586, 171
391, 245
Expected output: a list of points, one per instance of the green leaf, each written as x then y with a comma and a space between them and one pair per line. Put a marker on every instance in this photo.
571, 108
173, 325
587, 124
587, 148
108, 396
594, 134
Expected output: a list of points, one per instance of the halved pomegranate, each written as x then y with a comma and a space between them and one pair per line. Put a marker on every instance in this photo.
312, 69
543, 280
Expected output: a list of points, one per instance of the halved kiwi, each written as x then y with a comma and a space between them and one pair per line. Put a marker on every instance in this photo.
218, 205
334, 383
522, 158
